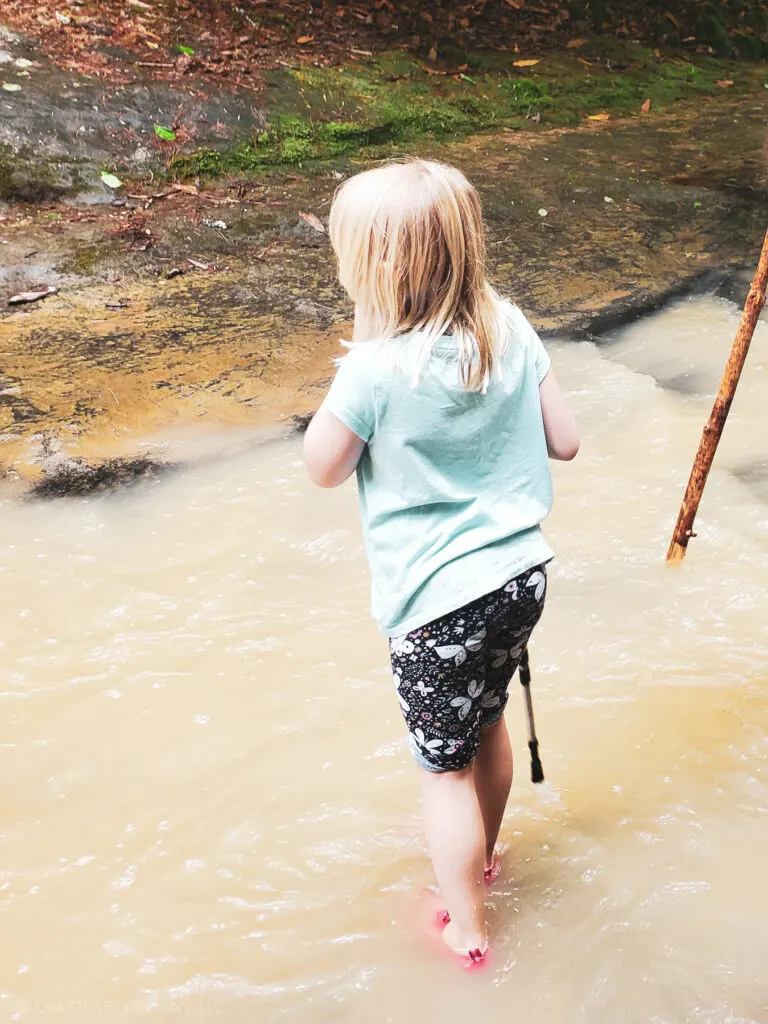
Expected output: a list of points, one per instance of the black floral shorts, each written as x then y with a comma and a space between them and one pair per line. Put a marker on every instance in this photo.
452, 675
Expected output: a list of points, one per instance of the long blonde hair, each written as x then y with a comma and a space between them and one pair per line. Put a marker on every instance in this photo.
410, 246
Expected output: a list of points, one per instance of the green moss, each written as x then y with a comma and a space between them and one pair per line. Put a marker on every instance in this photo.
714, 33
371, 109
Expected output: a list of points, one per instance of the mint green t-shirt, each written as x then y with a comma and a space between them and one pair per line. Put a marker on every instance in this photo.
453, 484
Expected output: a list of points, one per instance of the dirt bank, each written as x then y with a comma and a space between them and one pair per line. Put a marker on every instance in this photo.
219, 305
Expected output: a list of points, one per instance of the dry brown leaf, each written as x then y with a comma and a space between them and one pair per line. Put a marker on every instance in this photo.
517, 4
574, 44
312, 220
602, 116
646, 106
22, 297
525, 63
304, 39
724, 83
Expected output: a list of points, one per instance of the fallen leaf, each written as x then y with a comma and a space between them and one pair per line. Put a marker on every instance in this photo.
164, 133
110, 180
312, 220
22, 62
673, 19
11, 87
17, 300
574, 44
186, 50
607, 199
190, 190
63, 19
466, 78
262, 253
645, 107
525, 63
602, 116
517, 4
209, 223
724, 83
543, 212
199, 264
302, 40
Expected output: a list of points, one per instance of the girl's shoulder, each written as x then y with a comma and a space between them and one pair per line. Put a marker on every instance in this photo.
517, 322
523, 344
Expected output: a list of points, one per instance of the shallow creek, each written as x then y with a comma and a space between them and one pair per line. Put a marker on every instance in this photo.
209, 812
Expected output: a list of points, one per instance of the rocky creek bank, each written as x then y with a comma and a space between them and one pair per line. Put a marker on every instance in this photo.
200, 301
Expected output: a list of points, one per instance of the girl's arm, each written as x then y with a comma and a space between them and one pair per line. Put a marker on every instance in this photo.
331, 450
559, 422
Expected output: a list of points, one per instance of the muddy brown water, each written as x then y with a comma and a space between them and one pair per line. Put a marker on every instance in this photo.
209, 812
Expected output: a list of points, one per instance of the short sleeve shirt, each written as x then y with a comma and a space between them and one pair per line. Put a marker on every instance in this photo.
453, 484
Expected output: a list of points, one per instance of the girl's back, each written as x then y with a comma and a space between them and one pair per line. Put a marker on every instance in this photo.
453, 483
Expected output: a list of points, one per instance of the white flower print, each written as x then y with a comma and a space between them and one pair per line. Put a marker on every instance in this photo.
491, 699
476, 642
538, 581
464, 704
498, 658
453, 746
520, 644
511, 588
455, 651
401, 645
404, 705
397, 679
428, 745
423, 688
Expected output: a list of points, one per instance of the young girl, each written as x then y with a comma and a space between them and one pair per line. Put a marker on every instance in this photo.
447, 408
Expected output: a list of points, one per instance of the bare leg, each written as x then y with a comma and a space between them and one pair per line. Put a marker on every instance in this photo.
493, 779
456, 838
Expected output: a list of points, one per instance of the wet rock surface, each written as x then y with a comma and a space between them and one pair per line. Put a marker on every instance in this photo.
165, 319
60, 129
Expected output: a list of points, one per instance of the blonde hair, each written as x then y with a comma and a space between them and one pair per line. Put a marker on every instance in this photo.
410, 246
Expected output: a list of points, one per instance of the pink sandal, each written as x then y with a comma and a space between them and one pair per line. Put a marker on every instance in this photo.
471, 959
492, 873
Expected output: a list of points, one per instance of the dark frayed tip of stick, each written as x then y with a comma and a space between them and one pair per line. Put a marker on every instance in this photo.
537, 772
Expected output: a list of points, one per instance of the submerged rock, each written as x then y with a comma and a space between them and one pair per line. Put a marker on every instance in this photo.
68, 477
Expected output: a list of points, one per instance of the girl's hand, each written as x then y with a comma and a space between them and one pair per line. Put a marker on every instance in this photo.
331, 450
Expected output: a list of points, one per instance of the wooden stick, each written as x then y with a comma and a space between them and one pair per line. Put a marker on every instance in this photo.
710, 437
